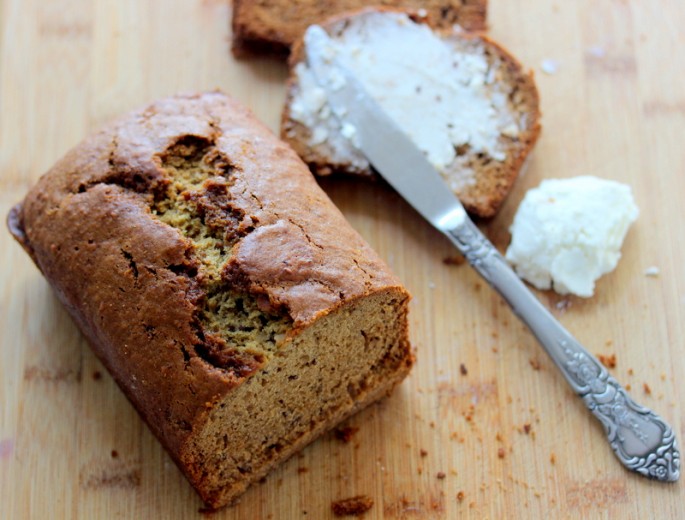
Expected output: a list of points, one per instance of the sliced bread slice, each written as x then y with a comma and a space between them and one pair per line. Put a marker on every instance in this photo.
272, 26
463, 99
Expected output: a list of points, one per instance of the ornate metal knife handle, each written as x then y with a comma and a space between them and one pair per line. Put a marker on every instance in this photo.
641, 440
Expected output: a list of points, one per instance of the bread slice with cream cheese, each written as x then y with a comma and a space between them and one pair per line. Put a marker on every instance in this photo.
464, 100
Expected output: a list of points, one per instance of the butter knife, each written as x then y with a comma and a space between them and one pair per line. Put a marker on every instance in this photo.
641, 440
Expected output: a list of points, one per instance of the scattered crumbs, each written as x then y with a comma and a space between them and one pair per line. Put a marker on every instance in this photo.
535, 363
460, 496
441, 475
509, 399
609, 342
420, 471
431, 285
423, 453
646, 388
345, 433
494, 334
495, 350
552, 459
454, 260
652, 271
432, 424
462, 369
663, 376
477, 286
97, 375
537, 494
596, 51
355, 506
498, 437
630, 372
472, 505
468, 415
628, 387
422, 13
302, 469
607, 361
500, 453
526, 428
262, 480
115, 454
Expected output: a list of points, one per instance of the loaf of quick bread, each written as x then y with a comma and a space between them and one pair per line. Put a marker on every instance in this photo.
273, 26
464, 101
225, 293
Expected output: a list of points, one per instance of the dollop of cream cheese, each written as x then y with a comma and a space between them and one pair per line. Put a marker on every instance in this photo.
568, 232
441, 98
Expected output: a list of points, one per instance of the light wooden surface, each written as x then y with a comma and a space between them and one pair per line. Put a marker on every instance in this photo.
615, 108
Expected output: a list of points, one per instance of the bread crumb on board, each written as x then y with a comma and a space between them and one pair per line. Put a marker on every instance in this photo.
354, 506
454, 260
345, 433
607, 361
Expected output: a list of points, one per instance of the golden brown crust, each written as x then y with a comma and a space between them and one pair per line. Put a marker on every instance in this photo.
273, 26
493, 183
486, 197
131, 281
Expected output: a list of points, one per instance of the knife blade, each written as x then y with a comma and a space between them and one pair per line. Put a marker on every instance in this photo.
409, 172
641, 440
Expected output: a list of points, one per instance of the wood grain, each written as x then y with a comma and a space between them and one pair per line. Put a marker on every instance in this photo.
500, 437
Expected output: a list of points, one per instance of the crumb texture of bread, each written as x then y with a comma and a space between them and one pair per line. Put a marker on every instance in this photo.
471, 108
273, 26
229, 298
354, 506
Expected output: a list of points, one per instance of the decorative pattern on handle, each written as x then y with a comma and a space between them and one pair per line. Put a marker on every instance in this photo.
475, 247
640, 439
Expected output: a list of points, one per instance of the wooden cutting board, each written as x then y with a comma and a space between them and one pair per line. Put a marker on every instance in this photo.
484, 427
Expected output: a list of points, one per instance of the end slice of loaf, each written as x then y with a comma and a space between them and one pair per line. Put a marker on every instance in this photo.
273, 26
223, 290
464, 100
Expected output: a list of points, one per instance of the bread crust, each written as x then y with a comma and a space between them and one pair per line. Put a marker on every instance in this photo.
484, 198
134, 285
273, 26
